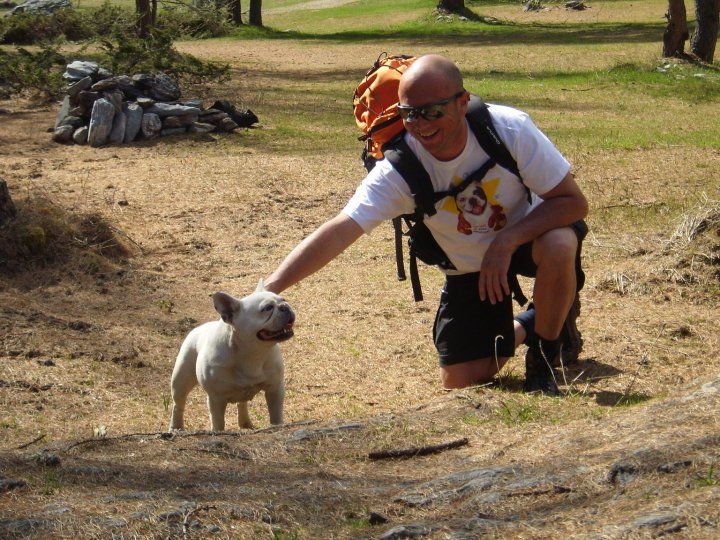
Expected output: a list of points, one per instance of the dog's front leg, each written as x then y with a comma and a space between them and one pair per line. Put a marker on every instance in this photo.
217, 413
244, 416
274, 398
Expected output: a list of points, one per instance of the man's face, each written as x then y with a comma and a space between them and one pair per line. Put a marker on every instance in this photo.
445, 137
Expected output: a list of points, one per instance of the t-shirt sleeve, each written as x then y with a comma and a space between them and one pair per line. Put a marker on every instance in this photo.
540, 163
382, 195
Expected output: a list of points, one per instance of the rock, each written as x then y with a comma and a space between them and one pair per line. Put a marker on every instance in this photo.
7, 207
164, 88
151, 125
56, 510
63, 134
116, 98
47, 459
227, 125
143, 80
376, 519
172, 109
103, 73
21, 527
63, 112
74, 89
46, 363
81, 135
7, 4
41, 6
73, 121
411, 530
133, 121
145, 102
197, 103
201, 127
86, 101
80, 69
533, 5
172, 122
576, 5
241, 118
172, 131
100, 122
622, 472
8, 485
117, 133
126, 86
104, 84
213, 116
654, 520
674, 466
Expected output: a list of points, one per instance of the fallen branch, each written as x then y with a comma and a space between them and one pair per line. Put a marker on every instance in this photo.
421, 451
36, 439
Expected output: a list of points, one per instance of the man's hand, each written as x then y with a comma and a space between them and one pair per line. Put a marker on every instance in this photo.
493, 284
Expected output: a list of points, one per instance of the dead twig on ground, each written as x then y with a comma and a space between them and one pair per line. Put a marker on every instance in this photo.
420, 451
35, 440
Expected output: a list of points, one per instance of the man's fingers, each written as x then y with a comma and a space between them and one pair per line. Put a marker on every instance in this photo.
505, 284
481, 286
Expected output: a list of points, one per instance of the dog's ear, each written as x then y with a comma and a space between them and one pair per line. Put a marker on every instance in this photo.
226, 306
260, 286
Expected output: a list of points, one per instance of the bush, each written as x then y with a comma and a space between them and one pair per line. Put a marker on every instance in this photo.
72, 25
39, 72
124, 53
201, 22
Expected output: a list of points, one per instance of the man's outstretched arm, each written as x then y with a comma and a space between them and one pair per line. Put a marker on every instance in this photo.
314, 252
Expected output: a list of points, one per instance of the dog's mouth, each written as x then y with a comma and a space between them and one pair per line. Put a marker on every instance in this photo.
286, 332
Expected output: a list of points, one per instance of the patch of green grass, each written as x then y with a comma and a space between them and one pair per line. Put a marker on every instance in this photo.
708, 479
51, 481
518, 412
632, 399
8, 423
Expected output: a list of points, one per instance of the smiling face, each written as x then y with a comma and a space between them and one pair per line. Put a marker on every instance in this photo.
429, 80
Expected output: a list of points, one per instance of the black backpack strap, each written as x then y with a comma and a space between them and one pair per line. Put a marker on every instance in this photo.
482, 126
405, 162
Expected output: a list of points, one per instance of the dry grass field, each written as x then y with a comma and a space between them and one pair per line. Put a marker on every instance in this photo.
137, 237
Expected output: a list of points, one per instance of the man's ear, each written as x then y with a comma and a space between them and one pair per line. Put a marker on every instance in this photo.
227, 306
260, 286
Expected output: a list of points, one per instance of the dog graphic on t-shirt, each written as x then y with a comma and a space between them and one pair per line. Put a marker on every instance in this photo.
476, 213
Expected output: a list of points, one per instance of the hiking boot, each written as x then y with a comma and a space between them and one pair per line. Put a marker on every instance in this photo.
572, 341
539, 376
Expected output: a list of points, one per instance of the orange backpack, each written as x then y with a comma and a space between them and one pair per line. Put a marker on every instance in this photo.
375, 103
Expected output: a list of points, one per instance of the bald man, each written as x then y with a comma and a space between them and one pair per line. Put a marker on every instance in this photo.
490, 229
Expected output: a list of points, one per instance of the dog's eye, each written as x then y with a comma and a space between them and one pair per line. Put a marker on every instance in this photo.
269, 307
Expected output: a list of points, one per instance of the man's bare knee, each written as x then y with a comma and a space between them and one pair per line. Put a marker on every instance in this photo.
471, 373
557, 245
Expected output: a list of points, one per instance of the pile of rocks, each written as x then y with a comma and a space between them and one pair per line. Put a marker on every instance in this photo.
36, 6
100, 108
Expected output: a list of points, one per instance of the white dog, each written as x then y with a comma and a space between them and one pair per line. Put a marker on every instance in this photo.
235, 358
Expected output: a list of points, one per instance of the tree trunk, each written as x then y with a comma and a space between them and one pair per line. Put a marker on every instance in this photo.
455, 6
236, 12
144, 17
706, 32
676, 32
256, 12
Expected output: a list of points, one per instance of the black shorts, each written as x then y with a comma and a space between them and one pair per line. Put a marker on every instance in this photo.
467, 328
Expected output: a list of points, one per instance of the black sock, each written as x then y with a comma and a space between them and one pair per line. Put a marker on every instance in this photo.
527, 321
550, 348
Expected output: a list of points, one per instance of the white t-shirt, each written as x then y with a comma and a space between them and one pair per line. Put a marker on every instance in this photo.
466, 225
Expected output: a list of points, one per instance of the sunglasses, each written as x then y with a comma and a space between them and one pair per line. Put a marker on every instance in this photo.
433, 111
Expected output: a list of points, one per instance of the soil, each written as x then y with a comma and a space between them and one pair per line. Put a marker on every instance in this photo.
135, 239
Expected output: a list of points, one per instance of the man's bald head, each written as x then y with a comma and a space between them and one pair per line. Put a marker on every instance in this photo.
432, 71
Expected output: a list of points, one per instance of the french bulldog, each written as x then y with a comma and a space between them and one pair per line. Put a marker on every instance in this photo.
235, 358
